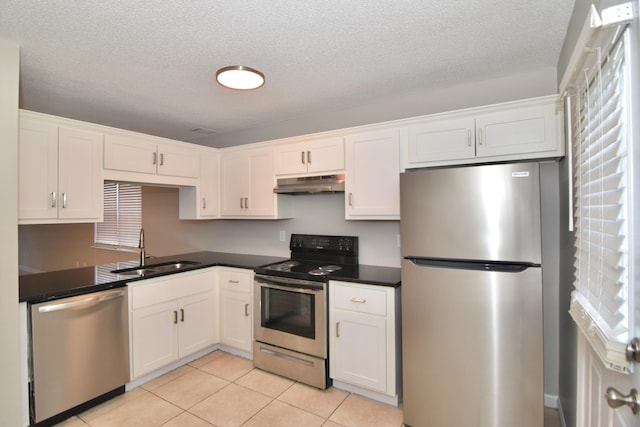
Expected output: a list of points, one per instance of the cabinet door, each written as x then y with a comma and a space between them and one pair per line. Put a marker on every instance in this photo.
196, 316
234, 176
154, 341
372, 187
208, 185
359, 350
80, 183
235, 319
516, 131
38, 170
261, 200
325, 155
176, 161
441, 139
130, 154
291, 159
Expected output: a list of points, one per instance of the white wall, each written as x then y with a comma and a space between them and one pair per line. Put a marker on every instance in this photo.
315, 214
10, 402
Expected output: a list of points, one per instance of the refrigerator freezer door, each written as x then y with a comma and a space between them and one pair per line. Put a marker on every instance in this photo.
472, 347
489, 212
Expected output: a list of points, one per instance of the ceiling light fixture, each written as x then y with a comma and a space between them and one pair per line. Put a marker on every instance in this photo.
240, 77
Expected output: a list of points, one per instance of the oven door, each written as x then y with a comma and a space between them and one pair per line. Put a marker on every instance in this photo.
291, 314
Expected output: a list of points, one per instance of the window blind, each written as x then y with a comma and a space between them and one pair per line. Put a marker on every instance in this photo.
601, 178
122, 216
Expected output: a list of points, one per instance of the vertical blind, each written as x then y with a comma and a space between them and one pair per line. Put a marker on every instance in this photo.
599, 120
122, 216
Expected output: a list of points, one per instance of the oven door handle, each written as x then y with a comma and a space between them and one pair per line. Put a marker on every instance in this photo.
304, 288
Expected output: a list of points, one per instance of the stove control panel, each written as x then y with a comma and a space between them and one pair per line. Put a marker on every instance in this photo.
342, 245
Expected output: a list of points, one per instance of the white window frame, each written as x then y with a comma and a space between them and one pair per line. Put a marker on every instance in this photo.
120, 229
602, 307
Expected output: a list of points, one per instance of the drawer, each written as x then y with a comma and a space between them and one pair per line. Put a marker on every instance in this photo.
360, 299
236, 279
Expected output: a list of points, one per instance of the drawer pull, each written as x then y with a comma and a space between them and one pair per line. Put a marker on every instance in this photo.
235, 282
358, 300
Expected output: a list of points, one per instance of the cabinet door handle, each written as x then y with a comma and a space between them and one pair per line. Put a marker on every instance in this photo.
302, 157
480, 136
161, 159
64, 200
350, 199
155, 158
204, 203
469, 138
175, 316
309, 157
246, 203
241, 203
246, 310
53, 199
337, 329
358, 300
182, 314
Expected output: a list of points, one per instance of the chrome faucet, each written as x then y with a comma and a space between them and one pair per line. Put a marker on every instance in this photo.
141, 247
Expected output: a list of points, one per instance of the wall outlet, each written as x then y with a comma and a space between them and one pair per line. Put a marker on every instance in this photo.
282, 235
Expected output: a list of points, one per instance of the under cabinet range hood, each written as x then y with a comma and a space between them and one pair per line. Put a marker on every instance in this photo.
311, 184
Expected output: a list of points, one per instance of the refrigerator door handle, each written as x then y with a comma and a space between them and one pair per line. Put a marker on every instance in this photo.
496, 266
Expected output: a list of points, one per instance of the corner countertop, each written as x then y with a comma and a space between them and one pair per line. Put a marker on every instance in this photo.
52, 285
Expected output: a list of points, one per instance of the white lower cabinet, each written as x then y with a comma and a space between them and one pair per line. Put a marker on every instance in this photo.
171, 317
364, 339
235, 308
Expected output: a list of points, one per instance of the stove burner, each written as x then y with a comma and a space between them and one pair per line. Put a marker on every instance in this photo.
322, 270
330, 268
283, 266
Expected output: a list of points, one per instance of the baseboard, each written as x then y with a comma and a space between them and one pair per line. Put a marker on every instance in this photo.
551, 400
380, 397
137, 382
561, 413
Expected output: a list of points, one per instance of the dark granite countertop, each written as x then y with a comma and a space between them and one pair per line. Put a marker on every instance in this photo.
63, 283
51, 285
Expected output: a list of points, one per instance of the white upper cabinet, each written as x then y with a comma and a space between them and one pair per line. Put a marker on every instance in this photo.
246, 186
201, 201
372, 183
60, 172
312, 156
132, 154
519, 130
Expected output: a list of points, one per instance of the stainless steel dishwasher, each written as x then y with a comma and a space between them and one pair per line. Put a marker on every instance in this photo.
79, 351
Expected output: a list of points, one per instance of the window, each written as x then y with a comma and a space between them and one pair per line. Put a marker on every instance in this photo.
122, 217
601, 140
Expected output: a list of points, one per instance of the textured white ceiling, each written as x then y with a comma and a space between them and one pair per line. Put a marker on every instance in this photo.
149, 65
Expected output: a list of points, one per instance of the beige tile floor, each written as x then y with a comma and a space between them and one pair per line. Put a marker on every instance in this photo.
223, 390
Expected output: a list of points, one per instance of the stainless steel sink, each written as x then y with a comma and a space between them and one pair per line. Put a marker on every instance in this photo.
164, 267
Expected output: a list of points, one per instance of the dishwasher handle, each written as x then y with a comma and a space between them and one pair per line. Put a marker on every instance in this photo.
96, 298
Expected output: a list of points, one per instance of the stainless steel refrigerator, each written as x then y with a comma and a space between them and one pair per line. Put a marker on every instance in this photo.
472, 296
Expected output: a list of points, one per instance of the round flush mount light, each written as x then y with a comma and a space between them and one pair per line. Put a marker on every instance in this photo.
240, 77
